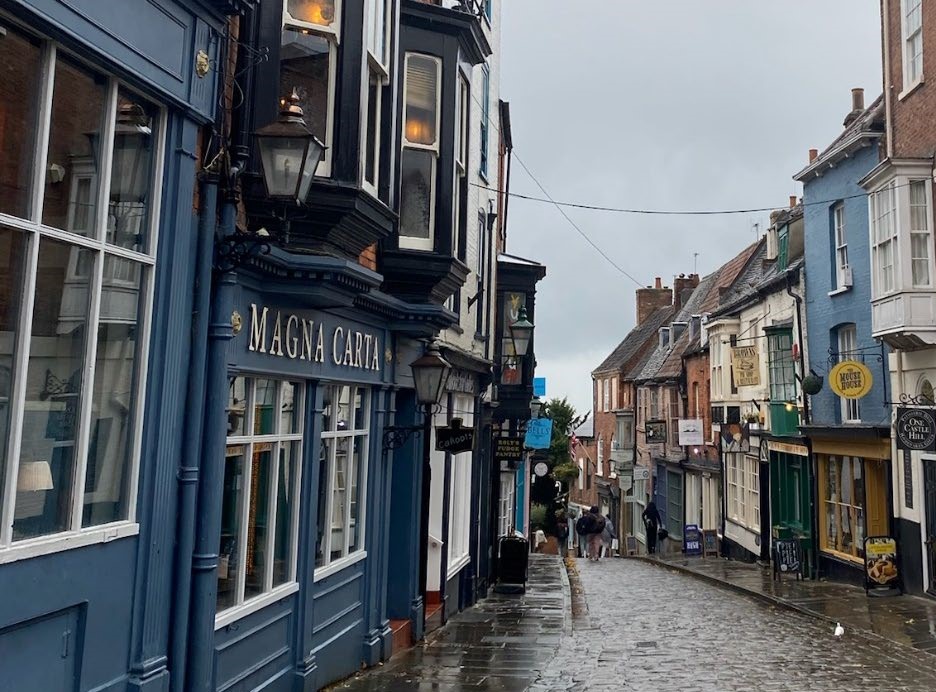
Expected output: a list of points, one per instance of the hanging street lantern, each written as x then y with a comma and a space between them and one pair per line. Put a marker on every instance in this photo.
430, 374
521, 332
289, 153
536, 405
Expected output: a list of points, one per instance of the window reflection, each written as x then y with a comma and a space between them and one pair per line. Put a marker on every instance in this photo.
19, 94
73, 162
304, 66
53, 390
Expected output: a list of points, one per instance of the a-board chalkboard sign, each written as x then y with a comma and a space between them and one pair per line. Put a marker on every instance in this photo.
631, 544
786, 554
692, 540
710, 542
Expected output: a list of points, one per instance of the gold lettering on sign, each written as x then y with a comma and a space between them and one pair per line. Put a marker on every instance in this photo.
292, 342
276, 345
257, 330
305, 340
336, 353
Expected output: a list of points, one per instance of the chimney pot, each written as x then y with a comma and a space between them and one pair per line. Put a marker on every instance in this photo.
792, 201
658, 283
813, 155
857, 99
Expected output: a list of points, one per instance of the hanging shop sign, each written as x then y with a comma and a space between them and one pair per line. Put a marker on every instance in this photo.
655, 431
690, 432
881, 563
539, 386
538, 433
508, 448
745, 366
462, 382
454, 438
541, 469
692, 540
916, 429
850, 379
641, 473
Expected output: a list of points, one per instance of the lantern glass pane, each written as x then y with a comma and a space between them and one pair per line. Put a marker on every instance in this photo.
313, 156
282, 159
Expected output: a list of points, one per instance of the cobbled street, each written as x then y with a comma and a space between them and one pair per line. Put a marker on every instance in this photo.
637, 626
650, 628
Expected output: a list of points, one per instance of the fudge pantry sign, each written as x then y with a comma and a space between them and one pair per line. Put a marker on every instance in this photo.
286, 335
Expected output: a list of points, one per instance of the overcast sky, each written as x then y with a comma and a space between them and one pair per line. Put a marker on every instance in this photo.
679, 104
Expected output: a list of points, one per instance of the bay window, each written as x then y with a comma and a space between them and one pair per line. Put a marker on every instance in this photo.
260, 502
379, 14
342, 474
782, 376
78, 250
883, 239
422, 84
309, 63
911, 13
920, 236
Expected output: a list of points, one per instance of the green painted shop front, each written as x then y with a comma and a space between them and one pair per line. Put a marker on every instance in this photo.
791, 482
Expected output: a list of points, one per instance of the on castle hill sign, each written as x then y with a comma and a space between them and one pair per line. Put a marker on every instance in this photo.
286, 335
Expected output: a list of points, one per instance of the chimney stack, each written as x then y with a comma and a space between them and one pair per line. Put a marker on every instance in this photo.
813, 155
858, 99
792, 201
650, 299
682, 289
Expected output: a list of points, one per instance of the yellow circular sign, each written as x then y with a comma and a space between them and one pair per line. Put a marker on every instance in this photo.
850, 379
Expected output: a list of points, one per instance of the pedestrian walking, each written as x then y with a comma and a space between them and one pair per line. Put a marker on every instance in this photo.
589, 527
608, 536
651, 520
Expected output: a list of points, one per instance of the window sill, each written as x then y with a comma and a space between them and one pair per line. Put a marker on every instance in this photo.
840, 291
844, 557
338, 565
458, 565
46, 545
231, 615
910, 89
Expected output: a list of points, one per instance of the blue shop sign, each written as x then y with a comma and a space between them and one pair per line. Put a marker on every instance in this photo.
308, 343
538, 433
539, 386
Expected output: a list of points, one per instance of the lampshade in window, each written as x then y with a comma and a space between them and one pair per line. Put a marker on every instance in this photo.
321, 12
422, 80
34, 476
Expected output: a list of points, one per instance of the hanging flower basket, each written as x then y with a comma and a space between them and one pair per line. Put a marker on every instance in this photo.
812, 384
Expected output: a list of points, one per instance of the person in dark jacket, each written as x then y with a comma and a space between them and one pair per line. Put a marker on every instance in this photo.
651, 519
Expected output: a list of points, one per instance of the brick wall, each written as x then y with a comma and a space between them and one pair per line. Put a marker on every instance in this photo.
911, 116
368, 257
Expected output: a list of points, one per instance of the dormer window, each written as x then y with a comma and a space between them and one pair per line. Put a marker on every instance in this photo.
420, 151
308, 64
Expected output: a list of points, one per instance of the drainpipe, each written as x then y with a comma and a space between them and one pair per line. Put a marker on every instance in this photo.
211, 482
191, 455
799, 331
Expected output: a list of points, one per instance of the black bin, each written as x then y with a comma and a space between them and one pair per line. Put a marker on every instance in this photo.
514, 559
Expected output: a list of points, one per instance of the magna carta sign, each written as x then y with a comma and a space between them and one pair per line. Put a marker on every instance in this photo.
745, 366
850, 379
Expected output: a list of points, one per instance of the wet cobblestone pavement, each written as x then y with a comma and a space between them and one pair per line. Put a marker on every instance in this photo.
636, 627
650, 628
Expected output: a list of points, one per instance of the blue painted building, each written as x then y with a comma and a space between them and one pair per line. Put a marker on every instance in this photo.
101, 110
849, 438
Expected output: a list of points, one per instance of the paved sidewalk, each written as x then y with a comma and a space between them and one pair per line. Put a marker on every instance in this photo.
906, 620
500, 644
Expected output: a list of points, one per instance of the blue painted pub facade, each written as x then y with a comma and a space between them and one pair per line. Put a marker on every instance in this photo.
849, 438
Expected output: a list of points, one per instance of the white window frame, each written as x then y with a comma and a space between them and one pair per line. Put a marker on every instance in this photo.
484, 137
606, 396
348, 557
411, 242
33, 231
927, 232
459, 538
841, 244
673, 414
884, 237
847, 336
244, 606
600, 469
506, 504
332, 34
911, 35
372, 77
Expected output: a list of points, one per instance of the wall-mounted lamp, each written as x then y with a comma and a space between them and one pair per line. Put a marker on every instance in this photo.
430, 376
521, 332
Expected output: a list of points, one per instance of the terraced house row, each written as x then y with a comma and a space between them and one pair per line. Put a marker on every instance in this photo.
249, 275
785, 400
